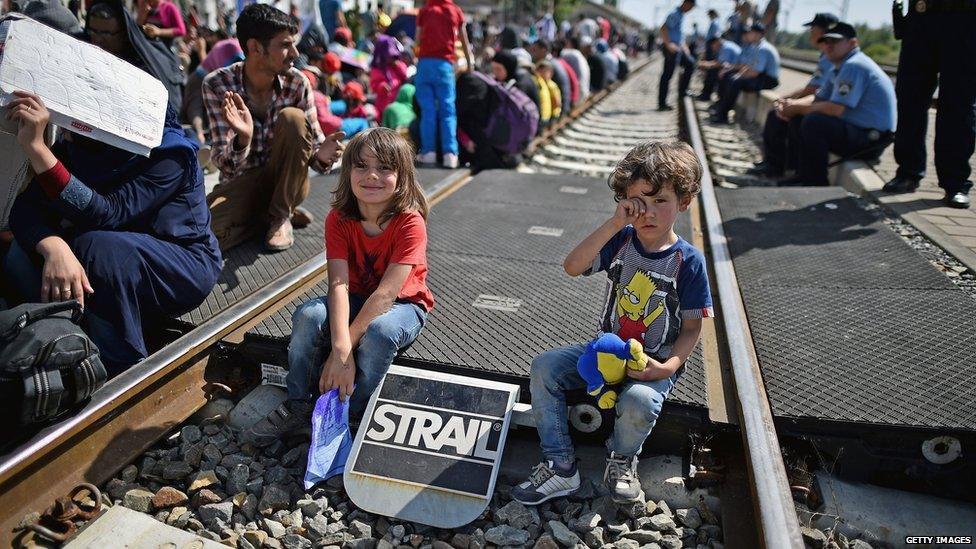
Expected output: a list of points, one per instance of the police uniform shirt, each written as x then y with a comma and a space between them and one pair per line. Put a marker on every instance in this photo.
713, 30
762, 58
729, 52
865, 91
824, 68
673, 23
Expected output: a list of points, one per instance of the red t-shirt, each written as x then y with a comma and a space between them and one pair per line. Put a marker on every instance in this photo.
404, 240
440, 22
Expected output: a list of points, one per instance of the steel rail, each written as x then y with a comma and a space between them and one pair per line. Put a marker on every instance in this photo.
778, 522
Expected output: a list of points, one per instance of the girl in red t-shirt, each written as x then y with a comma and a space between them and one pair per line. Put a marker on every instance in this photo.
378, 300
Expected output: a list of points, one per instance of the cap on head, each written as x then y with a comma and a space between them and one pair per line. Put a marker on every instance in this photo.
839, 31
822, 20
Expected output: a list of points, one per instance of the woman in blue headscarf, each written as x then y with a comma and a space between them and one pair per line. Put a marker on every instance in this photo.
128, 236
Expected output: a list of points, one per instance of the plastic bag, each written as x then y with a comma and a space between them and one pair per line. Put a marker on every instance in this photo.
331, 439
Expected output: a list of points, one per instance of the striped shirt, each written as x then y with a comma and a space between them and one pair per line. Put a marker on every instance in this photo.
290, 90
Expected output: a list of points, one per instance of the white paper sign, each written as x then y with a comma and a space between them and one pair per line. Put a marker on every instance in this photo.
88, 91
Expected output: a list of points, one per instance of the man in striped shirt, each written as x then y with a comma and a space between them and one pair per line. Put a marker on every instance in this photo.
264, 134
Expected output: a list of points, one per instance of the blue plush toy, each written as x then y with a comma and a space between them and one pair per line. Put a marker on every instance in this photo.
606, 362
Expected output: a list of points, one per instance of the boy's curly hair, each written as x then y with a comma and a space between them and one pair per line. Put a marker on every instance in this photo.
659, 163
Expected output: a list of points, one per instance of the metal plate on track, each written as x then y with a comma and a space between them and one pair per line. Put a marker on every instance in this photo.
817, 238
429, 447
850, 323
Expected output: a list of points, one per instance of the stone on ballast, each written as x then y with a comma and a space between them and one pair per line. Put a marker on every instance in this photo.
203, 479
237, 479
250, 506
438, 544
813, 536
398, 531
167, 497
859, 544
460, 541
586, 522
625, 543
316, 527
689, 517
294, 541
273, 527
204, 497
516, 515
176, 470
362, 543
360, 529
710, 531
190, 434
311, 507
545, 541
211, 511
273, 498
670, 542
643, 536
664, 509
138, 500
617, 530
506, 535
562, 534
594, 538
129, 474
662, 523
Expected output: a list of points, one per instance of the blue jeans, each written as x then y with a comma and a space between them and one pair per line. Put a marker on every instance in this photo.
115, 352
638, 405
436, 95
311, 342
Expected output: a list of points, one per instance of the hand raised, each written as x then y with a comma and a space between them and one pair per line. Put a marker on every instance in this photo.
238, 116
628, 211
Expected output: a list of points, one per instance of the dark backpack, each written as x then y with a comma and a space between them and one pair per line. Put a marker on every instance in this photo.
47, 364
515, 120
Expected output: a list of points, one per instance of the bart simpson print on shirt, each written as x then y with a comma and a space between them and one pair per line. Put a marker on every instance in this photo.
639, 304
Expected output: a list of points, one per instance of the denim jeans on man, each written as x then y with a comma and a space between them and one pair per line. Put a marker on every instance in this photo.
638, 405
436, 95
311, 343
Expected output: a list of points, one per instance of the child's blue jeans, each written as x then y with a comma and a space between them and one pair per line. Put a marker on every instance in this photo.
436, 95
638, 405
310, 341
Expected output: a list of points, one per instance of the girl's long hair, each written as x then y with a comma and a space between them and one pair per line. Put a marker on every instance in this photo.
390, 149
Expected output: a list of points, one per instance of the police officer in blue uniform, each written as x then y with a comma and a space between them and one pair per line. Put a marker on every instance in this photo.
782, 126
938, 48
854, 114
759, 71
675, 51
724, 54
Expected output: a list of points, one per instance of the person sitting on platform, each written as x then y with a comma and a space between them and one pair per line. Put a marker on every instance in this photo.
759, 71
780, 132
378, 301
854, 112
127, 236
264, 134
724, 55
657, 294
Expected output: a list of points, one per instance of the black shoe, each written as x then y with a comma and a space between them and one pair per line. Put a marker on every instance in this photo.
900, 185
290, 416
795, 181
765, 169
665, 108
957, 199
718, 119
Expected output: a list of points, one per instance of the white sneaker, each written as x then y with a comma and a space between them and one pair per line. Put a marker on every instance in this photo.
450, 161
427, 158
621, 478
545, 483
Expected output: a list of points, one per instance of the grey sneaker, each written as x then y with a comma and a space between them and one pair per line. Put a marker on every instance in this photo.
621, 478
289, 416
545, 482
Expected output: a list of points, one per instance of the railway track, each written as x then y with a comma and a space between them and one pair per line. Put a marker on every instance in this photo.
143, 405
